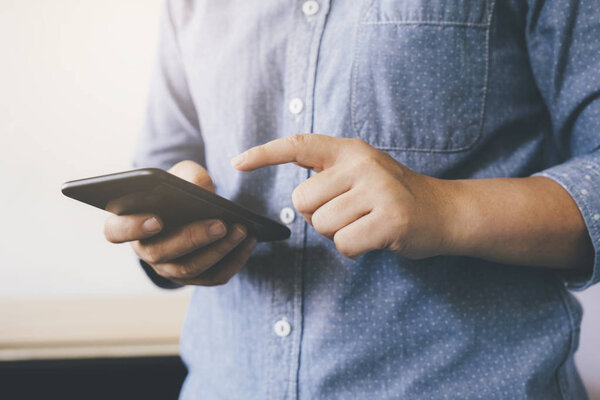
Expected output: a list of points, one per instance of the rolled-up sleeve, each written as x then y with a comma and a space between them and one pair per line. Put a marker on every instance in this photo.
563, 41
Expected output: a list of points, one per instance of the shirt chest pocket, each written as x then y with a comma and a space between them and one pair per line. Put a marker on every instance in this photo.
420, 74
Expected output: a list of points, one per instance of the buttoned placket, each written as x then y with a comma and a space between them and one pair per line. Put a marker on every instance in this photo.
302, 55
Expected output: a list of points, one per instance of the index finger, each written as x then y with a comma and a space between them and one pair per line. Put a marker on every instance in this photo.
308, 150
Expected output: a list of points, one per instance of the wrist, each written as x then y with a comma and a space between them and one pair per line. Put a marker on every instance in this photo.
456, 210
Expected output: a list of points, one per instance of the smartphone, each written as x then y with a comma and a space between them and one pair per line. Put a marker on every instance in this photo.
176, 201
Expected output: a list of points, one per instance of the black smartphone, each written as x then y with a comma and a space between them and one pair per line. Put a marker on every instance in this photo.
176, 201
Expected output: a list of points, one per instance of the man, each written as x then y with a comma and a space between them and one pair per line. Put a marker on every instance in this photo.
453, 195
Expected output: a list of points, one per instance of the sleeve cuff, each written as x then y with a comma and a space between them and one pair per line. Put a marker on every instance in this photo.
158, 280
580, 177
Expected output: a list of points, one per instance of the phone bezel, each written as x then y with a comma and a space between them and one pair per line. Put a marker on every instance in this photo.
88, 190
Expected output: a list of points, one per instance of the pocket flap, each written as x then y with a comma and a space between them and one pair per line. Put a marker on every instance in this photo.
453, 12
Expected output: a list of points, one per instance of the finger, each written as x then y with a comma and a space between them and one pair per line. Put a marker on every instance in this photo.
194, 173
364, 234
193, 264
180, 242
307, 217
125, 228
315, 169
126, 202
225, 269
340, 212
321, 188
308, 150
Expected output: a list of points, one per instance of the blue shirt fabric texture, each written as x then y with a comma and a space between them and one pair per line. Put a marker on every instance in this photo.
451, 89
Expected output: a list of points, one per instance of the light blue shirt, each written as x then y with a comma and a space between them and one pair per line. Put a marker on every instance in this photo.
449, 88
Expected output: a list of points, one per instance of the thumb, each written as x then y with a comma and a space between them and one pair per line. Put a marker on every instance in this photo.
194, 173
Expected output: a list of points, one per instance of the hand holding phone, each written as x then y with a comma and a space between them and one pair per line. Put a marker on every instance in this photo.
204, 252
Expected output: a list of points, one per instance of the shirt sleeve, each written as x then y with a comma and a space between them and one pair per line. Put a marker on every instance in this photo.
171, 130
563, 41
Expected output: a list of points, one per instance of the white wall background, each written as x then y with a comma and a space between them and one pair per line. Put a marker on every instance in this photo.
73, 79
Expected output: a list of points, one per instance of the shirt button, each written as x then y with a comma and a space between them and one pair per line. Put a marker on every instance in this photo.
287, 215
310, 8
296, 106
282, 328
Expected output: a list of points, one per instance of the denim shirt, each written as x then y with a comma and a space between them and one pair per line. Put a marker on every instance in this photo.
449, 88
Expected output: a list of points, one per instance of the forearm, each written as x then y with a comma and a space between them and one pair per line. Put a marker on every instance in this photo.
521, 221
364, 200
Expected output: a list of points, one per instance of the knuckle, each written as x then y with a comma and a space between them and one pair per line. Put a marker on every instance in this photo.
299, 199
225, 247
192, 172
364, 163
359, 147
297, 139
191, 237
196, 235
203, 180
359, 143
396, 246
397, 243
164, 270
320, 222
179, 272
346, 253
343, 246
184, 272
151, 253
398, 230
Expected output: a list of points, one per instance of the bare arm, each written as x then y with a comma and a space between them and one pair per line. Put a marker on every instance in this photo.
523, 221
364, 200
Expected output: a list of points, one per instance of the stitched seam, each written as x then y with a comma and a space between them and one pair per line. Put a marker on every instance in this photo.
593, 227
288, 391
298, 312
369, 9
302, 286
586, 210
487, 73
441, 22
353, 107
594, 230
417, 22
315, 49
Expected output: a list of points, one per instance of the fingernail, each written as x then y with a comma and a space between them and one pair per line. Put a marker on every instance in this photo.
152, 225
216, 229
239, 159
238, 234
